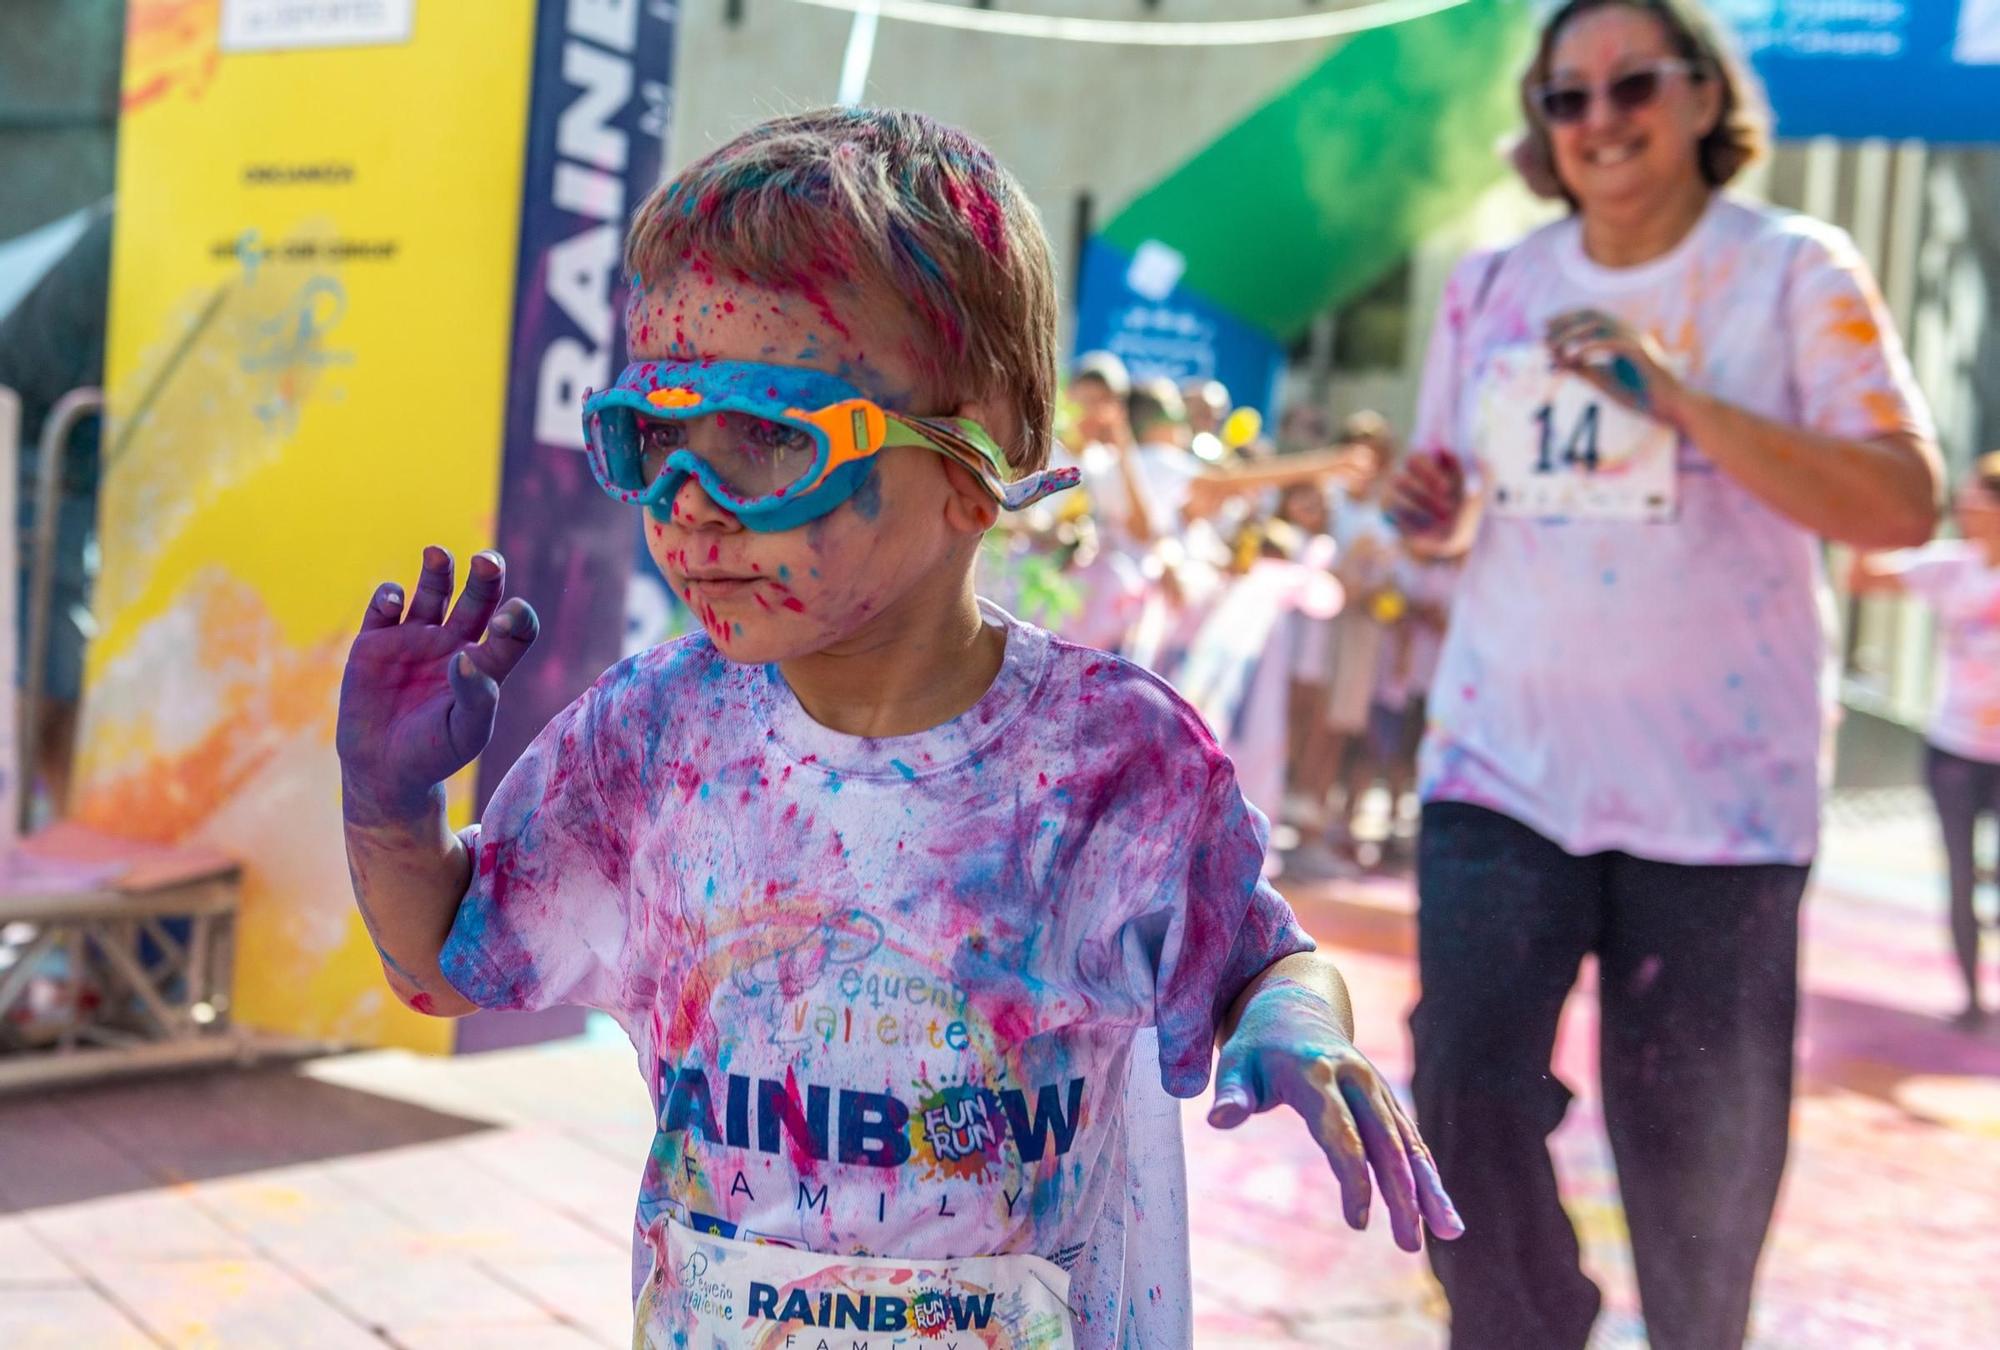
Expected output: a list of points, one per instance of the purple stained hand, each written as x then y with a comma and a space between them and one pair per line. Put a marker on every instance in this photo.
420, 691
1427, 493
1288, 1050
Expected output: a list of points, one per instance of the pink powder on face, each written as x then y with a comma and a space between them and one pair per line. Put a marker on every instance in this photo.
817, 299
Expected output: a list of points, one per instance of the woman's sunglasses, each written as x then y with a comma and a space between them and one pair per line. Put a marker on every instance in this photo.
1569, 102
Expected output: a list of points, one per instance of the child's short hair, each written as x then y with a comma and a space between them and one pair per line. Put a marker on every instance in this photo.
1106, 369
1370, 429
1155, 401
901, 205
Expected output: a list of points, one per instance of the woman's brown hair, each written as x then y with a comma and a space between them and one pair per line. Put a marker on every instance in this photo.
1742, 128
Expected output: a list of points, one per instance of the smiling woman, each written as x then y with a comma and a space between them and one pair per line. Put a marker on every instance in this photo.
1637, 423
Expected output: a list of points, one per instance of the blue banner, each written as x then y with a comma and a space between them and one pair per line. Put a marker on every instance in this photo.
1133, 304
596, 135
1900, 69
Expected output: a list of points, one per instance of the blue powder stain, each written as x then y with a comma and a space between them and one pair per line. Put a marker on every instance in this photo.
784, 572
906, 243
867, 498
1734, 681
737, 629
1610, 576
704, 792
813, 573
1631, 381
471, 937
833, 782
708, 891
903, 769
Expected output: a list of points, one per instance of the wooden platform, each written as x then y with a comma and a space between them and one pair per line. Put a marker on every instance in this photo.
145, 937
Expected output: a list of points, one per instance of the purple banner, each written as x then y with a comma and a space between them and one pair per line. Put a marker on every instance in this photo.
596, 134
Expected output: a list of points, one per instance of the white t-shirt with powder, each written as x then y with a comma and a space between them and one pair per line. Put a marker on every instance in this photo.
888, 994
1658, 688
1165, 473
1953, 576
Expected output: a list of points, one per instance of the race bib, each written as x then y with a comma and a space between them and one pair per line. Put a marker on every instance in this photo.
1554, 445
711, 1291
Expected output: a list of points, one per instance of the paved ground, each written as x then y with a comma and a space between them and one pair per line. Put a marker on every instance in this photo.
381, 1199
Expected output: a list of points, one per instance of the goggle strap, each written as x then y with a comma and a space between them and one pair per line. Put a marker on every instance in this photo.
968, 443
1025, 492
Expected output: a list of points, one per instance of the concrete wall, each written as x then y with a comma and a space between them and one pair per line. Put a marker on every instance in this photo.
1068, 118
58, 107
1506, 211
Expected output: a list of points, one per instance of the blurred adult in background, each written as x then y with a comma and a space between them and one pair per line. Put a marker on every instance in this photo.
1160, 457
1208, 404
51, 343
1960, 579
1184, 557
1101, 564
1208, 407
1304, 426
1098, 387
1644, 417
1135, 467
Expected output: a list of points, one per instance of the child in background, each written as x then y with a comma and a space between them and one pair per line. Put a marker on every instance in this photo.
1111, 578
1300, 526
1138, 483
1365, 563
1960, 578
882, 883
1166, 465
1179, 553
1412, 640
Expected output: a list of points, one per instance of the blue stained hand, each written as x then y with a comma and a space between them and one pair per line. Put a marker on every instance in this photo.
1288, 1050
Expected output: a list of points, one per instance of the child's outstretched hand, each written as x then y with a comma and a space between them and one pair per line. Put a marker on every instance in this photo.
1287, 1048
421, 689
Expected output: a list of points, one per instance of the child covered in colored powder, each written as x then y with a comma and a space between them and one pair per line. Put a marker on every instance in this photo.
882, 883
1960, 578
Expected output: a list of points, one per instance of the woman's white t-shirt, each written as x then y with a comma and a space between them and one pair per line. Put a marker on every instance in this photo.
1657, 687
1954, 577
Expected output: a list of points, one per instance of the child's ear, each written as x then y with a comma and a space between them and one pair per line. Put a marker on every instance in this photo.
1000, 419
968, 507
971, 509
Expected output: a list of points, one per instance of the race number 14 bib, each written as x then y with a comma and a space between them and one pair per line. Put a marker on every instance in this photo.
1554, 445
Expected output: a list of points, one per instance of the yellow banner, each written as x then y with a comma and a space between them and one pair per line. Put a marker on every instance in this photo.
311, 290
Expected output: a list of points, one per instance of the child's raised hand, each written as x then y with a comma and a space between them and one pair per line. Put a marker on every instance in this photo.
421, 689
1288, 1049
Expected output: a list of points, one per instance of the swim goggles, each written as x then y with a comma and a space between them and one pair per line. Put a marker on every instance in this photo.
775, 446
